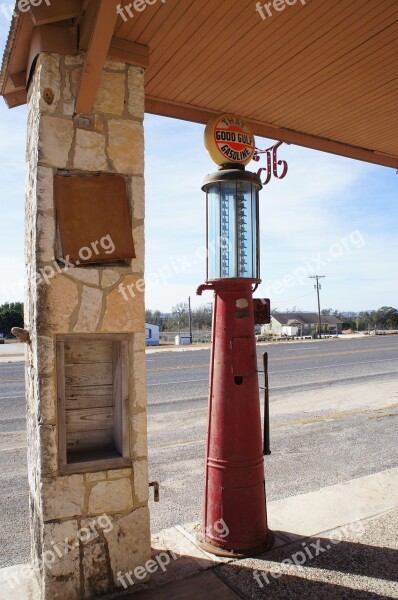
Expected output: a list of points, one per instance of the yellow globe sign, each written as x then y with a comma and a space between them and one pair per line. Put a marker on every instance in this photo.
229, 139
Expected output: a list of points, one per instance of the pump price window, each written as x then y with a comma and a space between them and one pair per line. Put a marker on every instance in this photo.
232, 227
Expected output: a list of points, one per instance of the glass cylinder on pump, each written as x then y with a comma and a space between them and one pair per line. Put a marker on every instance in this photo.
232, 224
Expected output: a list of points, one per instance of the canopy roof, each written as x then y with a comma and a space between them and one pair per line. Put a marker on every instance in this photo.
318, 73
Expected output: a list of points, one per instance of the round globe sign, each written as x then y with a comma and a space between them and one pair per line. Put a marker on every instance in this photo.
228, 139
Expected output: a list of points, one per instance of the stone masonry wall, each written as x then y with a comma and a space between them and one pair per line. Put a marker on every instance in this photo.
83, 300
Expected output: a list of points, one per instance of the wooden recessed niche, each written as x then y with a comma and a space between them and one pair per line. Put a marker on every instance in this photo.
93, 402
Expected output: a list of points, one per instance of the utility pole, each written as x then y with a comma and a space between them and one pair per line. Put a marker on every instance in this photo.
190, 319
317, 286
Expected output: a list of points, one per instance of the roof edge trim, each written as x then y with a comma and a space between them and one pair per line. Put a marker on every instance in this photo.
9, 47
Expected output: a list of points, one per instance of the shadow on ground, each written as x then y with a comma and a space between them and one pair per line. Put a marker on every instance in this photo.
318, 567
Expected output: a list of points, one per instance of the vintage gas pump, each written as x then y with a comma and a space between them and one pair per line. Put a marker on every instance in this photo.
234, 494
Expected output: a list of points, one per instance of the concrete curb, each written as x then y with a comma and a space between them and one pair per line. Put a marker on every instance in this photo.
12, 358
331, 507
14, 352
18, 582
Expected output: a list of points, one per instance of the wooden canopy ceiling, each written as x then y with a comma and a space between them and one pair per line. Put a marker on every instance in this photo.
318, 73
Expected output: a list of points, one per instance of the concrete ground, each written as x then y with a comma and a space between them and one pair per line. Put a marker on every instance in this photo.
338, 542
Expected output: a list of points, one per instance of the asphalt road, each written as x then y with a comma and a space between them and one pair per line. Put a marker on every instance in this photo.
307, 454
182, 377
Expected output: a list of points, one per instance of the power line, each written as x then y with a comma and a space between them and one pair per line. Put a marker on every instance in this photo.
317, 286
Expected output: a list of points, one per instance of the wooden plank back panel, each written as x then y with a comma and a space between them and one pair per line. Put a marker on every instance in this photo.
89, 374
86, 391
87, 352
89, 419
97, 397
101, 439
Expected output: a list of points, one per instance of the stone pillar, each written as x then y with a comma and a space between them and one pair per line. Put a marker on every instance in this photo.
69, 562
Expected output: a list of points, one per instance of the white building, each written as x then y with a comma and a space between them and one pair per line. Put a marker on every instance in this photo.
301, 323
151, 335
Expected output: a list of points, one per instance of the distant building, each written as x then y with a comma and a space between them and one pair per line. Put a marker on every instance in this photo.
301, 323
151, 335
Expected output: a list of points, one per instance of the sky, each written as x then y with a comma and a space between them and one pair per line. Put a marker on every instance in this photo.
330, 216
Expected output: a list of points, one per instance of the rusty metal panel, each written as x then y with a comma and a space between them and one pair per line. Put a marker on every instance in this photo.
243, 356
262, 311
93, 218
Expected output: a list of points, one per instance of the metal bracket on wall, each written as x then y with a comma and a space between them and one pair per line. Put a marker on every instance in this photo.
21, 334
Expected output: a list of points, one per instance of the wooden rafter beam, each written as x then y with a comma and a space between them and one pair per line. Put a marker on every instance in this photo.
51, 38
90, 10
18, 80
98, 48
187, 112
14, 99
129, 52
119, 49
51, 11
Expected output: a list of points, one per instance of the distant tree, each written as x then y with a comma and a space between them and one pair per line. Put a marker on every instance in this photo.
367, 319
202, 317
348, 318
180, 313
155, 317
387, 317
11, 315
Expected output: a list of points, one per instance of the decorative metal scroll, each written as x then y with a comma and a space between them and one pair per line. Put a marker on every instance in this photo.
272, 163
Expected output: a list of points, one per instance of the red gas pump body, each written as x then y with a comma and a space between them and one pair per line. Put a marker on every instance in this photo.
234, 478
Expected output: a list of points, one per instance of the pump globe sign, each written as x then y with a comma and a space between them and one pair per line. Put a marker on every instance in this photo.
229, 139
